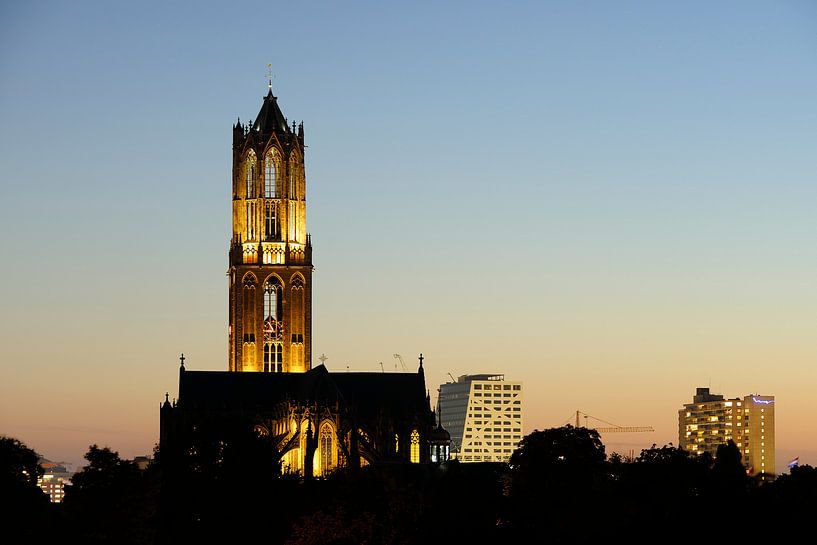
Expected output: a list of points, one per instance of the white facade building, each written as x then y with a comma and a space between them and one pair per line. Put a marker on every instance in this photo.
483, 414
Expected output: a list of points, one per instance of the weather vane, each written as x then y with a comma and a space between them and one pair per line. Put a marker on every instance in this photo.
269, 76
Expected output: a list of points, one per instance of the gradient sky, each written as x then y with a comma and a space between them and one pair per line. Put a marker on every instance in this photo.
613, 202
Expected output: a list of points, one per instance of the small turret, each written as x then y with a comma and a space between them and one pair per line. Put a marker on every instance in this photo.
439, 440
238, 133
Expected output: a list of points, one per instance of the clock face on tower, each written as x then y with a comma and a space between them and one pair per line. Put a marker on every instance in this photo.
273, 330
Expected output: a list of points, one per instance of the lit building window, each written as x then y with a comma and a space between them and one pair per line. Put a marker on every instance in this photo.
326, 449
414, 452
270, 188
273, 327
273, 357
272, 308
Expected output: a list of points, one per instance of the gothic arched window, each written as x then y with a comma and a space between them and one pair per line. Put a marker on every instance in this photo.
249, 308
249, 174
273, 327
272, 299
297, 310
326, 447
270, 186
414, 447
248, 322
273, 356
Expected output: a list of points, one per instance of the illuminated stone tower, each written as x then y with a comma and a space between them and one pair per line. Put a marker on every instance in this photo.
270, 252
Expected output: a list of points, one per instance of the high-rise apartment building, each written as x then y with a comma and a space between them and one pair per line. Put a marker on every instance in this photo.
483, 414
53, 480
710, 421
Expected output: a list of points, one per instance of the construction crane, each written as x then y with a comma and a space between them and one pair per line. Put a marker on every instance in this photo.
612, 428
452, 377
402, 363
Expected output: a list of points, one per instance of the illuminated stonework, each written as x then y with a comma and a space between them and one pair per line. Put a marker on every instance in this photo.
270, 252
710, 421
312, 420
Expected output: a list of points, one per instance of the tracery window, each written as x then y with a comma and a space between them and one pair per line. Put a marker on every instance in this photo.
414, 447
270, 187
297, 310
273, 356
272, 299
326, 448
273, 327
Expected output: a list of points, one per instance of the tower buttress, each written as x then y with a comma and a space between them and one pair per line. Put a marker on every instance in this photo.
270, 256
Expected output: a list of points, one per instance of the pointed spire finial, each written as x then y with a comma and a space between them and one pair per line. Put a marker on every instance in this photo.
181, 359
421, 359
439, 410
269, 77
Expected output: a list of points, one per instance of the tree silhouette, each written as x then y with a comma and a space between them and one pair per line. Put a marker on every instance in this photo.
111, 501
24, 508
660, 488
728, 472
557, 475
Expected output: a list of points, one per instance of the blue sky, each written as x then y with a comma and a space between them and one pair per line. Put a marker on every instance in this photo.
611, 201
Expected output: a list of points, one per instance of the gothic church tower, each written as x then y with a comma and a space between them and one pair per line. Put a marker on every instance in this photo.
270, 252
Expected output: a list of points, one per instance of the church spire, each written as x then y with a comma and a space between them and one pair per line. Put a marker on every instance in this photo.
270, 118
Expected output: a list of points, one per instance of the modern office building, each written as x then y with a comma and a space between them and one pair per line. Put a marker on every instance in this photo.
710, 421
483, 414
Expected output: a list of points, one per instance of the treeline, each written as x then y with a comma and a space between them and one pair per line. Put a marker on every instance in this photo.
560, 487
